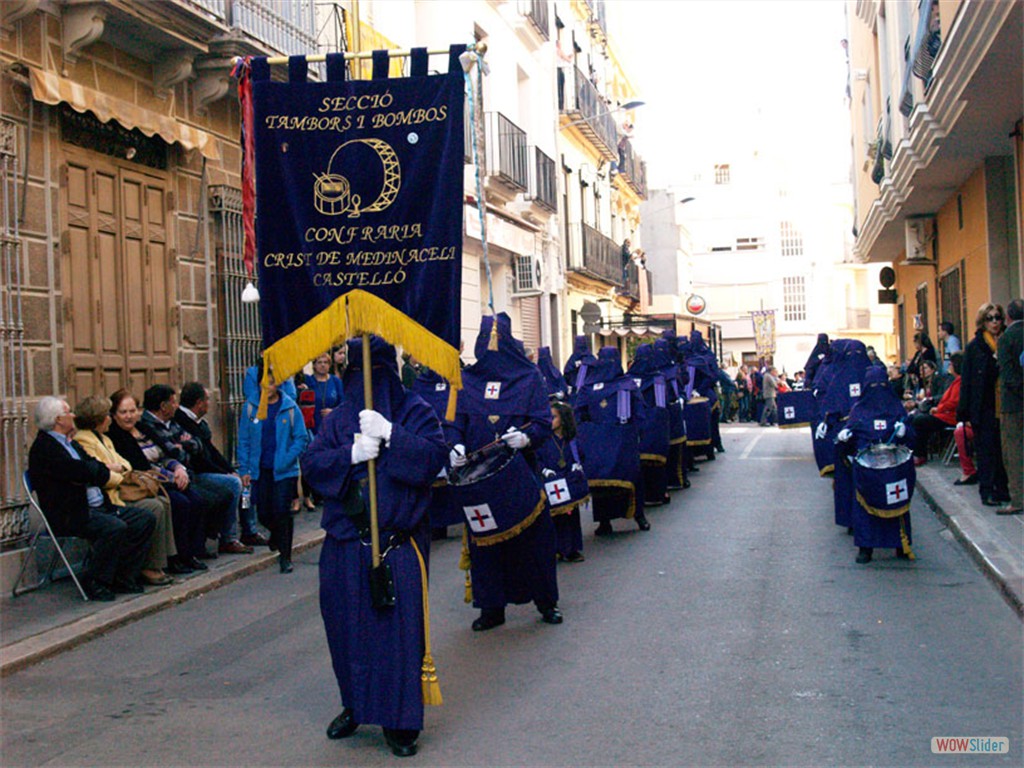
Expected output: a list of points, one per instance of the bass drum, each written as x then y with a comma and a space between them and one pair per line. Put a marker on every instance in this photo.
884, 478
497, 493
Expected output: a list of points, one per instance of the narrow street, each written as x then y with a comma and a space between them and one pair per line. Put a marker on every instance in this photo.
738, 631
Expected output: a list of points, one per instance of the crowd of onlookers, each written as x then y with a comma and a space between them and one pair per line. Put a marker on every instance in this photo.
145, 484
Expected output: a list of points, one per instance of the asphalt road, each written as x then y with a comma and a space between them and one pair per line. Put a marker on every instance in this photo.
738, 631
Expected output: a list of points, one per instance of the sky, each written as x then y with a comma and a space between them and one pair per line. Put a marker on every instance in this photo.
717, 74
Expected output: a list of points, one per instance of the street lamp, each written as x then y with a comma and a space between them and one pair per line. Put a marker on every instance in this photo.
629, 105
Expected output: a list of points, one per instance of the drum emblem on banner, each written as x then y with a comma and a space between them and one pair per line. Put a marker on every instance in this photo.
855, 389
332, 191
789, 412
557, 491
880, 425
480, 518
896, 492
493, 390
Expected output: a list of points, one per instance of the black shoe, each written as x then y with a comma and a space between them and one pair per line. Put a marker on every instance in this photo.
972, 480
990, 501
98, 592
197, 565
900, 554
402, 742
286, 565
864, 555
178, 567
343, 726
551, 615
488, 620
642, 524
720, 448
575, 557
603, 529
206, 555
686, 484
127, 587
849, 530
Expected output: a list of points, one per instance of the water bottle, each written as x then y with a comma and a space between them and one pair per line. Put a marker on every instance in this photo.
246, 496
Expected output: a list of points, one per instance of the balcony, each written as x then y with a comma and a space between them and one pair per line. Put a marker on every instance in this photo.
588, 112
287, 26
596, 255
536, 12
598, 21
507, 155
632, 168
543, 184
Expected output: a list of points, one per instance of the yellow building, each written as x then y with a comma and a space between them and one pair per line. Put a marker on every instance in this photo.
937, 99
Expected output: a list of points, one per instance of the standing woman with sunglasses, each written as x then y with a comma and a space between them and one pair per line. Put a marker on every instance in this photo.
979, 406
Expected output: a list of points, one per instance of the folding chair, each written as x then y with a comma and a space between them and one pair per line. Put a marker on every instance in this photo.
950, 453
44, 530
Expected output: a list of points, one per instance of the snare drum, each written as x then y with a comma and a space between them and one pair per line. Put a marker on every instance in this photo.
796, 409
497, 492
884, 477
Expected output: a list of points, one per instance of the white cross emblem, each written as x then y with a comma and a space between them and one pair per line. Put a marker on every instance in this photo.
480, 518
881, 425
558, 492
789, 412
441, 386
492, 390
599, 385
896, 492
855, 389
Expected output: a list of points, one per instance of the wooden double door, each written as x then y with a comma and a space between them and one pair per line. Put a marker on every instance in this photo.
118, 277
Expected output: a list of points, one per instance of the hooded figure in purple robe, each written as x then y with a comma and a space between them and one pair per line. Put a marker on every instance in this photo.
376, 652
555, 381
434, 390
814, 359
664, 359
843, 380
880, 508
581, 357
504, 399
654, 434
609, 415
823, 432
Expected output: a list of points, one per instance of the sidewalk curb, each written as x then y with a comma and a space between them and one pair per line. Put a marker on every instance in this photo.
32, 650
995, 574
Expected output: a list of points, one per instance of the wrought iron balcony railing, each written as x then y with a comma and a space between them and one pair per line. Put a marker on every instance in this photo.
590, 113
288, 26
507, 155
537, 12
543, 184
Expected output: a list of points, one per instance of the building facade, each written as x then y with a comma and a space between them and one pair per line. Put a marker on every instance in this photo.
937, 99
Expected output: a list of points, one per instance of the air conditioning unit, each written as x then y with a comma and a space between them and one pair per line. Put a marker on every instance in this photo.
527, 276
919, 233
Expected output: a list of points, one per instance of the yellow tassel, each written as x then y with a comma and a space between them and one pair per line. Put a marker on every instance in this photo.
428, 672
453, 399
492, 343
905, 541
467, 596
431, 686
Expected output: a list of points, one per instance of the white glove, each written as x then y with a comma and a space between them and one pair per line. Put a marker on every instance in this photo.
365, 448
457, 456
372, 424
844, 435
821, 431
547, 472
900, 429
577, 467
515, 439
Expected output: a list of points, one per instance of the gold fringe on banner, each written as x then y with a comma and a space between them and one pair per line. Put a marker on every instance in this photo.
350, 315
428, 672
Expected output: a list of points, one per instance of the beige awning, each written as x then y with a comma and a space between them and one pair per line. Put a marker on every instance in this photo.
51, 89
630, 330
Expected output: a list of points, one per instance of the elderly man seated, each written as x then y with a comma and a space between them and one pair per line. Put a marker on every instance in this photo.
68, 482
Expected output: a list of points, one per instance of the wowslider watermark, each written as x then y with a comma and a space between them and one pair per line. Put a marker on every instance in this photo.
970, 745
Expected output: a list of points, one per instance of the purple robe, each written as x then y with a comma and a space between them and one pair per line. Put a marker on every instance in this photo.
376, 653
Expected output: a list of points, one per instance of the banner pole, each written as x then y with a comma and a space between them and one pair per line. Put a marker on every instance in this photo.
372, 464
